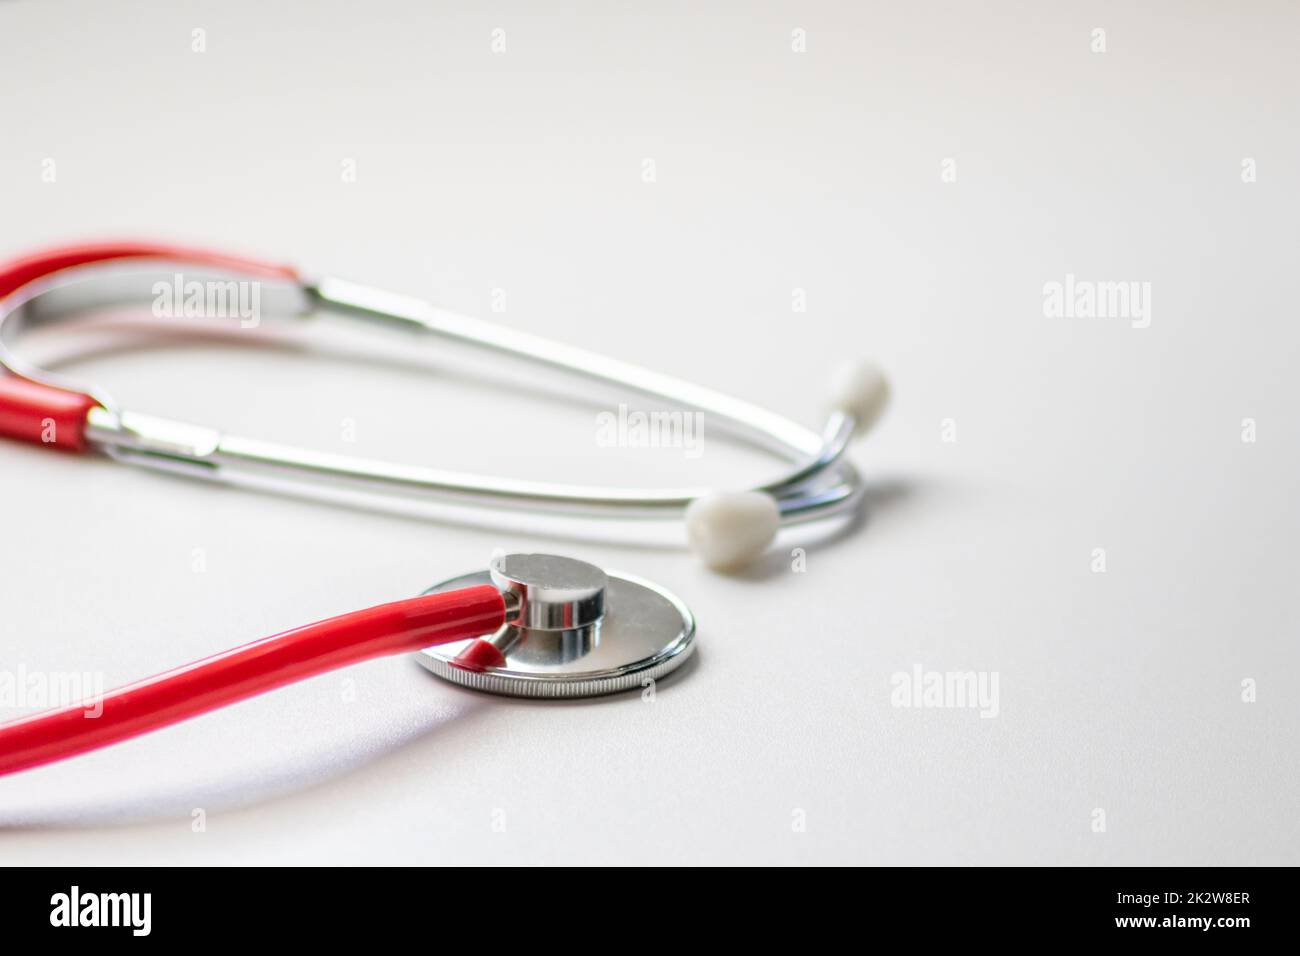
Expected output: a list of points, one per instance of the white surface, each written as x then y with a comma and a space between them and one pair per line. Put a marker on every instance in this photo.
775, 171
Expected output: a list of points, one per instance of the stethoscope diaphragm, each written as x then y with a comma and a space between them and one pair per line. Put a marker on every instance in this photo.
580, 631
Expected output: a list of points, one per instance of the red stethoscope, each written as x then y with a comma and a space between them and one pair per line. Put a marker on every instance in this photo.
255, 668
530, 625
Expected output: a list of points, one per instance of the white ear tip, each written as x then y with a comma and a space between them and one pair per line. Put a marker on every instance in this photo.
860, 389
730, 528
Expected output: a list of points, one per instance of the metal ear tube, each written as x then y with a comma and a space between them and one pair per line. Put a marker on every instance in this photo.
724, 528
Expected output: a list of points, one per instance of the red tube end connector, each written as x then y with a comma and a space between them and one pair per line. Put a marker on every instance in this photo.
43, 414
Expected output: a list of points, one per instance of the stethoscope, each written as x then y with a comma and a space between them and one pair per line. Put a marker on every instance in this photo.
529, 625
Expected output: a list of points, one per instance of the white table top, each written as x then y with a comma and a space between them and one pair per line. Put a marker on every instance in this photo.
774, 171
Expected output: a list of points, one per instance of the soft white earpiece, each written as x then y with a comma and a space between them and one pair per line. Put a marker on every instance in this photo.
730, 528
860, 389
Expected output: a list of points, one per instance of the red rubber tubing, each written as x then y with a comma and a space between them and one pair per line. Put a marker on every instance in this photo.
44, 414
250, 670
19, 272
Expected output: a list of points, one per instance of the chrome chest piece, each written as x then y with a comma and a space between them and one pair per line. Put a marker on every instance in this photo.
577, 631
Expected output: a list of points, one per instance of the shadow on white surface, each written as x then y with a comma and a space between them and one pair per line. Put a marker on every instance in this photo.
232, 785
878, 496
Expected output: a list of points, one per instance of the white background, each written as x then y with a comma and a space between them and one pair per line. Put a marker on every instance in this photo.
775, 171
